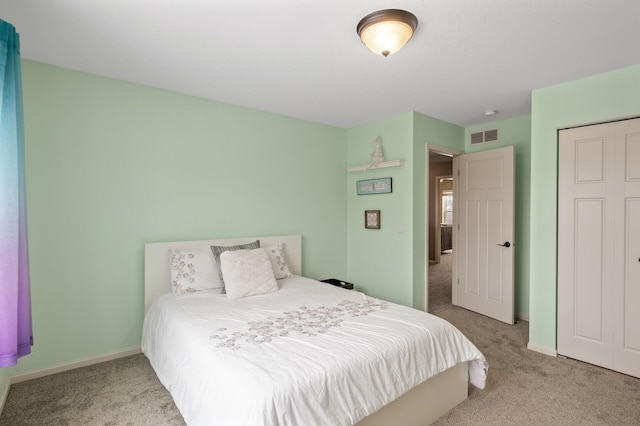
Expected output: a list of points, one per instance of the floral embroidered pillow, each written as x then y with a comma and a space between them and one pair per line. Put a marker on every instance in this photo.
247, 273
278, 263
192, 271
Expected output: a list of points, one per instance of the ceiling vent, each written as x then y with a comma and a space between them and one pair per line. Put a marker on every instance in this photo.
490, 135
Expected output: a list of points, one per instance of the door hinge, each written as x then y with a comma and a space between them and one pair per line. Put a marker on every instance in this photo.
458, 281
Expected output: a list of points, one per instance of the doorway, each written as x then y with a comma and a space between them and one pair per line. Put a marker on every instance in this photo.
483, 185
439, 219
441, 267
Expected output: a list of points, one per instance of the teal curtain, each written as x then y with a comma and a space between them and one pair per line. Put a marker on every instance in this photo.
16, 337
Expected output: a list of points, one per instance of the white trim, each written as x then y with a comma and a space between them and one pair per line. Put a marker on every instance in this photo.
4, 396
540, 349
522, 317
35, 374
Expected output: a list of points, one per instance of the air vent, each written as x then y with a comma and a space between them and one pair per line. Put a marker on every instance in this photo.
490, 135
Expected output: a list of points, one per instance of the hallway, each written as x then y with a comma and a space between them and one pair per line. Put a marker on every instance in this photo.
440, 284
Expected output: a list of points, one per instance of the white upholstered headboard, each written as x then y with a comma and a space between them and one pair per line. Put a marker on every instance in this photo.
157, 277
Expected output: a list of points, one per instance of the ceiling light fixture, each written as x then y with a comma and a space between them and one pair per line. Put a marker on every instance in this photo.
385, 32
490, 112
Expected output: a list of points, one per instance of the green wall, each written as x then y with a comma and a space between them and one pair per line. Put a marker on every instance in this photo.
427, 131
609, 96
112, 165
516, 132
380, 260
389, 263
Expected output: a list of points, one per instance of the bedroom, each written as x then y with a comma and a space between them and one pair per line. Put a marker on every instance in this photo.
112, 165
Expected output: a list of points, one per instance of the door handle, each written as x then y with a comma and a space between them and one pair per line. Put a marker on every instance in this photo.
507, 244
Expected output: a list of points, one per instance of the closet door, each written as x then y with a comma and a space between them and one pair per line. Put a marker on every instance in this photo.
586, 227
599, 245
626, 355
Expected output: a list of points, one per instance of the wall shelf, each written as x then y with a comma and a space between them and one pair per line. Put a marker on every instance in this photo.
377, 160
372, 166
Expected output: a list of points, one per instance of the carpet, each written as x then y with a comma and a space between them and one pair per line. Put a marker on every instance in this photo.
125, 391
440, 284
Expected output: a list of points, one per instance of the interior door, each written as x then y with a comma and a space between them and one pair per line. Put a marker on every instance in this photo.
485, 229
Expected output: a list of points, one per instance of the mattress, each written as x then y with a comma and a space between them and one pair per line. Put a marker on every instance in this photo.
310, 353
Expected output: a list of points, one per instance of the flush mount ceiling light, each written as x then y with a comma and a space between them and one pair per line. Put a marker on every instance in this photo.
385, 32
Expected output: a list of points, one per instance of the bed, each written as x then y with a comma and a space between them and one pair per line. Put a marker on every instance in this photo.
307, 353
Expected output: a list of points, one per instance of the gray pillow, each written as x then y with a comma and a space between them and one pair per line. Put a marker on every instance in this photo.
218, 250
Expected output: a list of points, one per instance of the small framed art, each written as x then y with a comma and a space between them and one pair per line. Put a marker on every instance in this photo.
374, 186
372, 219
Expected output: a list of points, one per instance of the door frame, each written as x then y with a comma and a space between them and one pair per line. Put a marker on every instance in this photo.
438, 149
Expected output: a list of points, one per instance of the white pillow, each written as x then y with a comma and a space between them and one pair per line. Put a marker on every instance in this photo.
218, 250
193, 270
247, 273
278, 263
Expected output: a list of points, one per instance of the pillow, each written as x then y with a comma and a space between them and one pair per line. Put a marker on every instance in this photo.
218, 250
247, 273
193, 270
280, 268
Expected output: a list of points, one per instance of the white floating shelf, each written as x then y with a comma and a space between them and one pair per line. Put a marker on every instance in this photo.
382, 165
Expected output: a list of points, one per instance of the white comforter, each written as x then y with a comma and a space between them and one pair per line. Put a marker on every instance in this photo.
309, 354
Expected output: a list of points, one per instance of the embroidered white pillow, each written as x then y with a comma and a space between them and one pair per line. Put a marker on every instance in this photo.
193, 270
278, 263
247, 273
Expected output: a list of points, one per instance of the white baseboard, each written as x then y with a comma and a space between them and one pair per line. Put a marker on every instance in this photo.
540, 349
29, 375
3, 396
522, 317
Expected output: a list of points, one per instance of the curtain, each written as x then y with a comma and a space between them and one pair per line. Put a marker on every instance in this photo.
16, 337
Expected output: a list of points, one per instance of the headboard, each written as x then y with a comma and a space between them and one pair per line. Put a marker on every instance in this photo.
157, 276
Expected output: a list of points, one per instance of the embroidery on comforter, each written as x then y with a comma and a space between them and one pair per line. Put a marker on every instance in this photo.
304, 321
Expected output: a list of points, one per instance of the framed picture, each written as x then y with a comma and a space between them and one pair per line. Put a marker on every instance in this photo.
372, 219
374, 186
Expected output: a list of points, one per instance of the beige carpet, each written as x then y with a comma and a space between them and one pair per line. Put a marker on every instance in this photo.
440, 284
524, 388
528, 388
120, 392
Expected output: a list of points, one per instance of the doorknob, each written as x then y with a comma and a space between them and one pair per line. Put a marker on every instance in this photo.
507, 244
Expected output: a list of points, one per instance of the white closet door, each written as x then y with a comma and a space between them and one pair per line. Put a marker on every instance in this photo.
599, 245
586, 243
626, 355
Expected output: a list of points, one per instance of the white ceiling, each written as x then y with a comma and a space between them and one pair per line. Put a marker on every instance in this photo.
302, 58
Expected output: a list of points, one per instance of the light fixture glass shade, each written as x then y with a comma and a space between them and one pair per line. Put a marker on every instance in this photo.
385, 32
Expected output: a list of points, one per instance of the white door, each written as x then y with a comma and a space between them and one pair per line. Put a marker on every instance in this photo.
586, 158
626, 352
484, 229
599, 245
